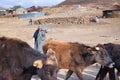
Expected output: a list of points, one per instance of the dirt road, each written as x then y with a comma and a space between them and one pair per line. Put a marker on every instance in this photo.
104, 32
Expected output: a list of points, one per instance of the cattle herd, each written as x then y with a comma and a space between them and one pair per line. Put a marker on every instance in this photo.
19, 61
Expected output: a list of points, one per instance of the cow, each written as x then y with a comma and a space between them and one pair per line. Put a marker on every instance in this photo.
51, 68
75, 56
17, 61
114, 52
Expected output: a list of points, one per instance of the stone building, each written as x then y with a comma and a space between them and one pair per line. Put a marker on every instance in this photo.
21, 11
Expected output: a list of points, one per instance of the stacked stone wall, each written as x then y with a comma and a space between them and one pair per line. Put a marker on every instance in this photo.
64, 20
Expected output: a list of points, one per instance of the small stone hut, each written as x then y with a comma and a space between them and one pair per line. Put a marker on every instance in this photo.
21, 11
111, 13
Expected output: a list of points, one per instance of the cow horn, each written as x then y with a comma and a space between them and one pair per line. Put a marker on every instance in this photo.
38, 64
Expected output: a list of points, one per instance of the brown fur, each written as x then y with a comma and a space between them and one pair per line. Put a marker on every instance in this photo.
51, 58
75, 56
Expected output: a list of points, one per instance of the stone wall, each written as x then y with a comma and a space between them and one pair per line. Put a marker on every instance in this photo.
64, 20
9, 16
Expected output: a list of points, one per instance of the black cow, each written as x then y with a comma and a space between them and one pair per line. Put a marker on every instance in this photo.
17, 59
114, 52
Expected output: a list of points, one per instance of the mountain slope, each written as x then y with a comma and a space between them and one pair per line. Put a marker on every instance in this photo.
94, 2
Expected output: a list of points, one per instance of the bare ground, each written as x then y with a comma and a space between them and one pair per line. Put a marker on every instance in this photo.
108, 30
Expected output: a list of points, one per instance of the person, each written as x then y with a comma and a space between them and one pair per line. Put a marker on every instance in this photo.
41, 38
30, 21
39, 22
35, 37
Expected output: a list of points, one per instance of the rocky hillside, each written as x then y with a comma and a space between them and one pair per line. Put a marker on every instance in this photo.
104, 3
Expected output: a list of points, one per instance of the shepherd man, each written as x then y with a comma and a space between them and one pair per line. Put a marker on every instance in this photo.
40, 38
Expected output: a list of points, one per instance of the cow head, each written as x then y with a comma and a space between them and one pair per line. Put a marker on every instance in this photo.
101, 56
49, 70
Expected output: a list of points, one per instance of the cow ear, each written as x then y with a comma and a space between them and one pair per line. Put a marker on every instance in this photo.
89, 50
38, 64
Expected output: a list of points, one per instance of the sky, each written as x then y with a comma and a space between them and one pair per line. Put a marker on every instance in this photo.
28, 3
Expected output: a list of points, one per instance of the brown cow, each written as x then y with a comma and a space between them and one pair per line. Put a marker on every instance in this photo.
114, 52
17, 58
76, 57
